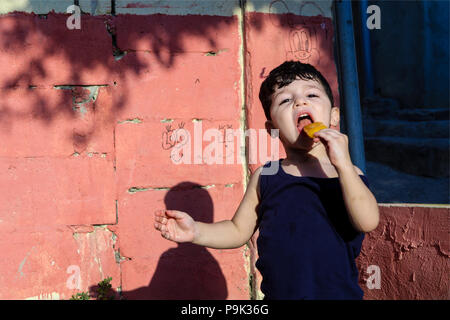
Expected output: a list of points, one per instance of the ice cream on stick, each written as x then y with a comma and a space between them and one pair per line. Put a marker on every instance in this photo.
312, 128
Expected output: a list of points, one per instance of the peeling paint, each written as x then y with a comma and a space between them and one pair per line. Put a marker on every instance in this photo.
96, 246
135, 120
79, 98
160, 188
215, 53
90, 154
119, 258
117, 52
206, 187
99, 263
46, 296
140, 189
137, 189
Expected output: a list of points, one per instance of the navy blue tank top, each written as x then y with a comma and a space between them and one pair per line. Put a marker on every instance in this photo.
306, 245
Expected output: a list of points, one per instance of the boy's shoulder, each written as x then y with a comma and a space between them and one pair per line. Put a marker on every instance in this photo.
257, 172
358, 170
255, 179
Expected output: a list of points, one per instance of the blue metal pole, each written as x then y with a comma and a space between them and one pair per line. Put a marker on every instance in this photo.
366, 56
349, 79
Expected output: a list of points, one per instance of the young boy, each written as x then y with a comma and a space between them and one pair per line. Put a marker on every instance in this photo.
312, 214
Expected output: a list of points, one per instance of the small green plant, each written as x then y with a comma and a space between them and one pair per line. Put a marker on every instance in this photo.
80, 296
104, 289
103, 292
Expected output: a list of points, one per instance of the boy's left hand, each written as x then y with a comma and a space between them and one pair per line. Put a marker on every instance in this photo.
336, 144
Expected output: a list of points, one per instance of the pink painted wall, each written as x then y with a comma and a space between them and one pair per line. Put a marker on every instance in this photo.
86, 155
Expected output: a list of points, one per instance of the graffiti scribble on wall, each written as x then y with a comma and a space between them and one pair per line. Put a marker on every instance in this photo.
302, 39
175, 139
303, 45
170, 137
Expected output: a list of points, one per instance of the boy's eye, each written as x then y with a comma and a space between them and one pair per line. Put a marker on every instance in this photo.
312, 95
283, 101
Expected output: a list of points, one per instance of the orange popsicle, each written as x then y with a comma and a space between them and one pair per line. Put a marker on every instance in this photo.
312, 128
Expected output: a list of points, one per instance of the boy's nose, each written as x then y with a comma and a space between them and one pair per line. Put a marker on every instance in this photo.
300, 101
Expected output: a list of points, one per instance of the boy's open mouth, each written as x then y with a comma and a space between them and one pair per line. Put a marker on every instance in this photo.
303, 119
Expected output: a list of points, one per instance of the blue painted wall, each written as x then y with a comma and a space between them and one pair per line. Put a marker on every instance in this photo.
410, 53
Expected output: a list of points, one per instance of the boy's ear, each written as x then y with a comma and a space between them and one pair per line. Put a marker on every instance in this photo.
334, 118
269, 126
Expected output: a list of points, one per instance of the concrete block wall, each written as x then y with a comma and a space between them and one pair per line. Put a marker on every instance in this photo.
87, 128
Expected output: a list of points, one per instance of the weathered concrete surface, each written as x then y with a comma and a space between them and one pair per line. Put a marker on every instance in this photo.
412, 249
86, 151
56, 122
44, 262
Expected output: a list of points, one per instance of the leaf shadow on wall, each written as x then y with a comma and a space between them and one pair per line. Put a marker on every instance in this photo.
188, 271
46, 65
110, 53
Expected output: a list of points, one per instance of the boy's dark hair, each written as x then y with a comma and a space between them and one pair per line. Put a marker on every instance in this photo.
283, 75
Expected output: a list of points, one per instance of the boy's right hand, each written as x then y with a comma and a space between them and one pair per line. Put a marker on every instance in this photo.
175, 225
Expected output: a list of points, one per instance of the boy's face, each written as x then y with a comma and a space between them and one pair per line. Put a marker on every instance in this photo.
292, 103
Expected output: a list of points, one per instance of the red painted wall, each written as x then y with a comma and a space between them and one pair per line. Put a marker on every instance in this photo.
411, 249
86, 124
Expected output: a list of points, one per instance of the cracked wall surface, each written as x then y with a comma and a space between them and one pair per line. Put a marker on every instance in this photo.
89, 120
411, 246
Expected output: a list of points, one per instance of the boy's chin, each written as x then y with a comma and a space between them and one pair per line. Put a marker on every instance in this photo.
306, 143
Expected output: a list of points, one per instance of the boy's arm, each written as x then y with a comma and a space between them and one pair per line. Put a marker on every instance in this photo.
178, 226
359, 201
236, 232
